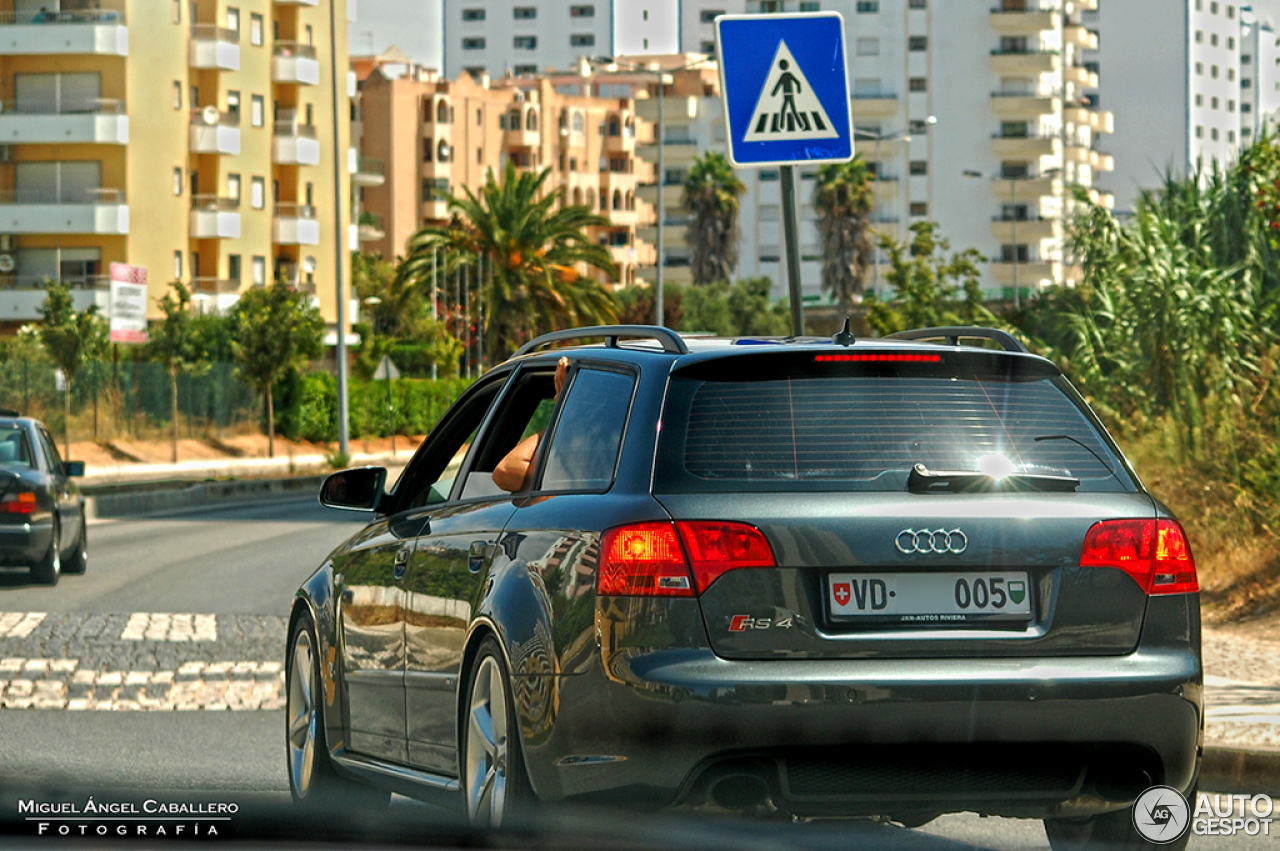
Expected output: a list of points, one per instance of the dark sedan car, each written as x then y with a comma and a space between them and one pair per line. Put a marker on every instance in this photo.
41, 508
885, 577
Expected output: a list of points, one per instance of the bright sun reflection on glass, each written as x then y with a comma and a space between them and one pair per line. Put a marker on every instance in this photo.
996, 466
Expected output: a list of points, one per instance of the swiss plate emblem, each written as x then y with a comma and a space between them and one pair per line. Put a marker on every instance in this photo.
1017, 591
841, 591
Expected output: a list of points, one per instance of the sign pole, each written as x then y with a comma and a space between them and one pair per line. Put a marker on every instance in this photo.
792, 248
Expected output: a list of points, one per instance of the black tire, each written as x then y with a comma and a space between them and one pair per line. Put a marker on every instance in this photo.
495, 786
1107, 831
50, 567
313, 781
79, 558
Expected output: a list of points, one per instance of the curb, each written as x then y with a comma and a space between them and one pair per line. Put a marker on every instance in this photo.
1225, 769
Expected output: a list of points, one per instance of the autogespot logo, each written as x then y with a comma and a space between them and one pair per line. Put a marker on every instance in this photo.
1161, 814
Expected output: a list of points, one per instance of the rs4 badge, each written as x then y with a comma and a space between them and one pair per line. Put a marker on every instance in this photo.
742, 623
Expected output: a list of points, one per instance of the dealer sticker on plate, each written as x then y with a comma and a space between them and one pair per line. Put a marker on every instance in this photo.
930, 597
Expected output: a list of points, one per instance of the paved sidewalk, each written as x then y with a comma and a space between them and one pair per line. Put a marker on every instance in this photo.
100, 474
1242, 691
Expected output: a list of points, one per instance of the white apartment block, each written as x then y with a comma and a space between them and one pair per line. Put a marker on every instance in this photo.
1259, 73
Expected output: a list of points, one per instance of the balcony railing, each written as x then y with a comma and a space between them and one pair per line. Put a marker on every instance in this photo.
84, 16
295, 211
1005, 217
1046, 92
873, 96
95, 195
213, 32
39, 282
215, 203
370, 165
225, 119
1029, 50
294, 49
88, 106
1030, 134
292, 128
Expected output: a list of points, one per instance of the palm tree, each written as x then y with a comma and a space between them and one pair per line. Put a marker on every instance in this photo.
844, 197
532, 255
711, 195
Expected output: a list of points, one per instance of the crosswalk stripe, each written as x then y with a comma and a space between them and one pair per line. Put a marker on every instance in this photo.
57, 684
161, 626
19, 624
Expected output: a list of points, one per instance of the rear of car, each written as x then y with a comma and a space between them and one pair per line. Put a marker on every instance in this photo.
897, 579
26, 507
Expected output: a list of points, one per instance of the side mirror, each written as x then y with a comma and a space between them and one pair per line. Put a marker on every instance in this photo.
73, 468
359, 489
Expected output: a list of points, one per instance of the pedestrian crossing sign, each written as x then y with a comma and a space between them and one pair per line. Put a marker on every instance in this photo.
785, 88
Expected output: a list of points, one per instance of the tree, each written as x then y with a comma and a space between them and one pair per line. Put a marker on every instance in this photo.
275, 330
372, 349
175, 343
711, 195
528, 256
71, 339
843, 198
393, 305
928, 285
742, 310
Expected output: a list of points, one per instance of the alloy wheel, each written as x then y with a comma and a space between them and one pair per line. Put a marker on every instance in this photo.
487, 744
301, 715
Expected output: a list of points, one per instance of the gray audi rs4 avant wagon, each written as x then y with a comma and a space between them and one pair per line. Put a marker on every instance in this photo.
819, 577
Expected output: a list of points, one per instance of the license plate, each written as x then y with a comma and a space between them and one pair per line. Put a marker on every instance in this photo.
930, 597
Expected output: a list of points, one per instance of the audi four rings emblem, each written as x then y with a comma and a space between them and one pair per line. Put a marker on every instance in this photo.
931, 541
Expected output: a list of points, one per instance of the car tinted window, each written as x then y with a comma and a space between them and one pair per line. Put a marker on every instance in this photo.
51, 451
15, 453
584, 447
866, 431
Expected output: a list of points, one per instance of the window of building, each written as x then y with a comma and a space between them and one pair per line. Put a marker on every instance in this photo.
1213, 71
919, 167
1213, 39
709, 16
233, 187
582, 40
1199, 5
473, 14
1199, 132
177, 180
646, 14
177, 94
1246, 83
917, 127
1231, 74
1231, 11
1199, 36
1213, 103
1246, 59
708, 47
525, 13
525, 42
177, 11
1199, 100
918, 43
258, 193
866, 87
1213, 133
917, 4
1231, 43
1246, 107
769, 175
917, 84
868, 47
257, 110
308, 36
868, 7
583, 11
428, 146
1231, 136
1231, 105
524, 70
919, 208
259, 271
1199, 67
810, 6
473, 43
1014, 253
233, 267
255, 29
233, 21
233, 104
1213, 8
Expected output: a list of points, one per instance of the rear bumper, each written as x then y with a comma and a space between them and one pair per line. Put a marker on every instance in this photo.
25, 544
662, 725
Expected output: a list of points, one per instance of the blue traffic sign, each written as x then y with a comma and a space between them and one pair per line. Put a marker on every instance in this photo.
785, 87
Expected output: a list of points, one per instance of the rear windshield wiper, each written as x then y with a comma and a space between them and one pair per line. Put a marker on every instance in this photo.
924, 480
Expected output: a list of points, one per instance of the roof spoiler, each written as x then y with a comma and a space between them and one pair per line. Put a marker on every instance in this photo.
671, 342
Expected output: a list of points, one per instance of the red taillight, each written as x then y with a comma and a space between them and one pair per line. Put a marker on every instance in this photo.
646, 560
1154, 552
716, 547
882, 357
18, 503
643, 560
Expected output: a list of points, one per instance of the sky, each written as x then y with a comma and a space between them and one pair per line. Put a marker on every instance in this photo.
411, 25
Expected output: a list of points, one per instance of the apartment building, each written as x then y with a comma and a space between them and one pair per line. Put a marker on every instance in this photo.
190, 138
436, 135
1259, 73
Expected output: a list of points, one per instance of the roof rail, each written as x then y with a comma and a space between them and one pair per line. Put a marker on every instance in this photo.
953, 334
670, 340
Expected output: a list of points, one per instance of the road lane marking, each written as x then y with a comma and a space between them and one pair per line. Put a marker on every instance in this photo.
58, 684
159, 626
19, 624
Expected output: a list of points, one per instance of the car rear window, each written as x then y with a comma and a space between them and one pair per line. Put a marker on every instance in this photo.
15, 452
866, 431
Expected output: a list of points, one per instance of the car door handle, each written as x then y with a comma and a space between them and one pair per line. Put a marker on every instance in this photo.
476, 556
401, 563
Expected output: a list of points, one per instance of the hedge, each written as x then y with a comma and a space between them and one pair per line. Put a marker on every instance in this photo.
307, 406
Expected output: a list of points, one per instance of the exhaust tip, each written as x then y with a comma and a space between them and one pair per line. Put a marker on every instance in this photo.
739, 791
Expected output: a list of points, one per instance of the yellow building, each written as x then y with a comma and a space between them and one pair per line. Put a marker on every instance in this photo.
191, 137
433, 135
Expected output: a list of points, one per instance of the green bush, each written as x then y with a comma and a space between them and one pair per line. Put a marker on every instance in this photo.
308, 406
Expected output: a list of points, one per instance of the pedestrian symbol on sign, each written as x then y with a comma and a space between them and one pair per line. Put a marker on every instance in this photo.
787, 108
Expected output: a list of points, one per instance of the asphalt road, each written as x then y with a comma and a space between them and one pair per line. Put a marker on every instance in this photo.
241, 564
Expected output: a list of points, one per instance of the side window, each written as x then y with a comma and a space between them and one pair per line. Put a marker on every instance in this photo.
588, 435
526, 411
433, 480
50, 452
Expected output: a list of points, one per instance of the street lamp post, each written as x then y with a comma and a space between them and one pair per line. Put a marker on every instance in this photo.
660, 182
1013, 217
